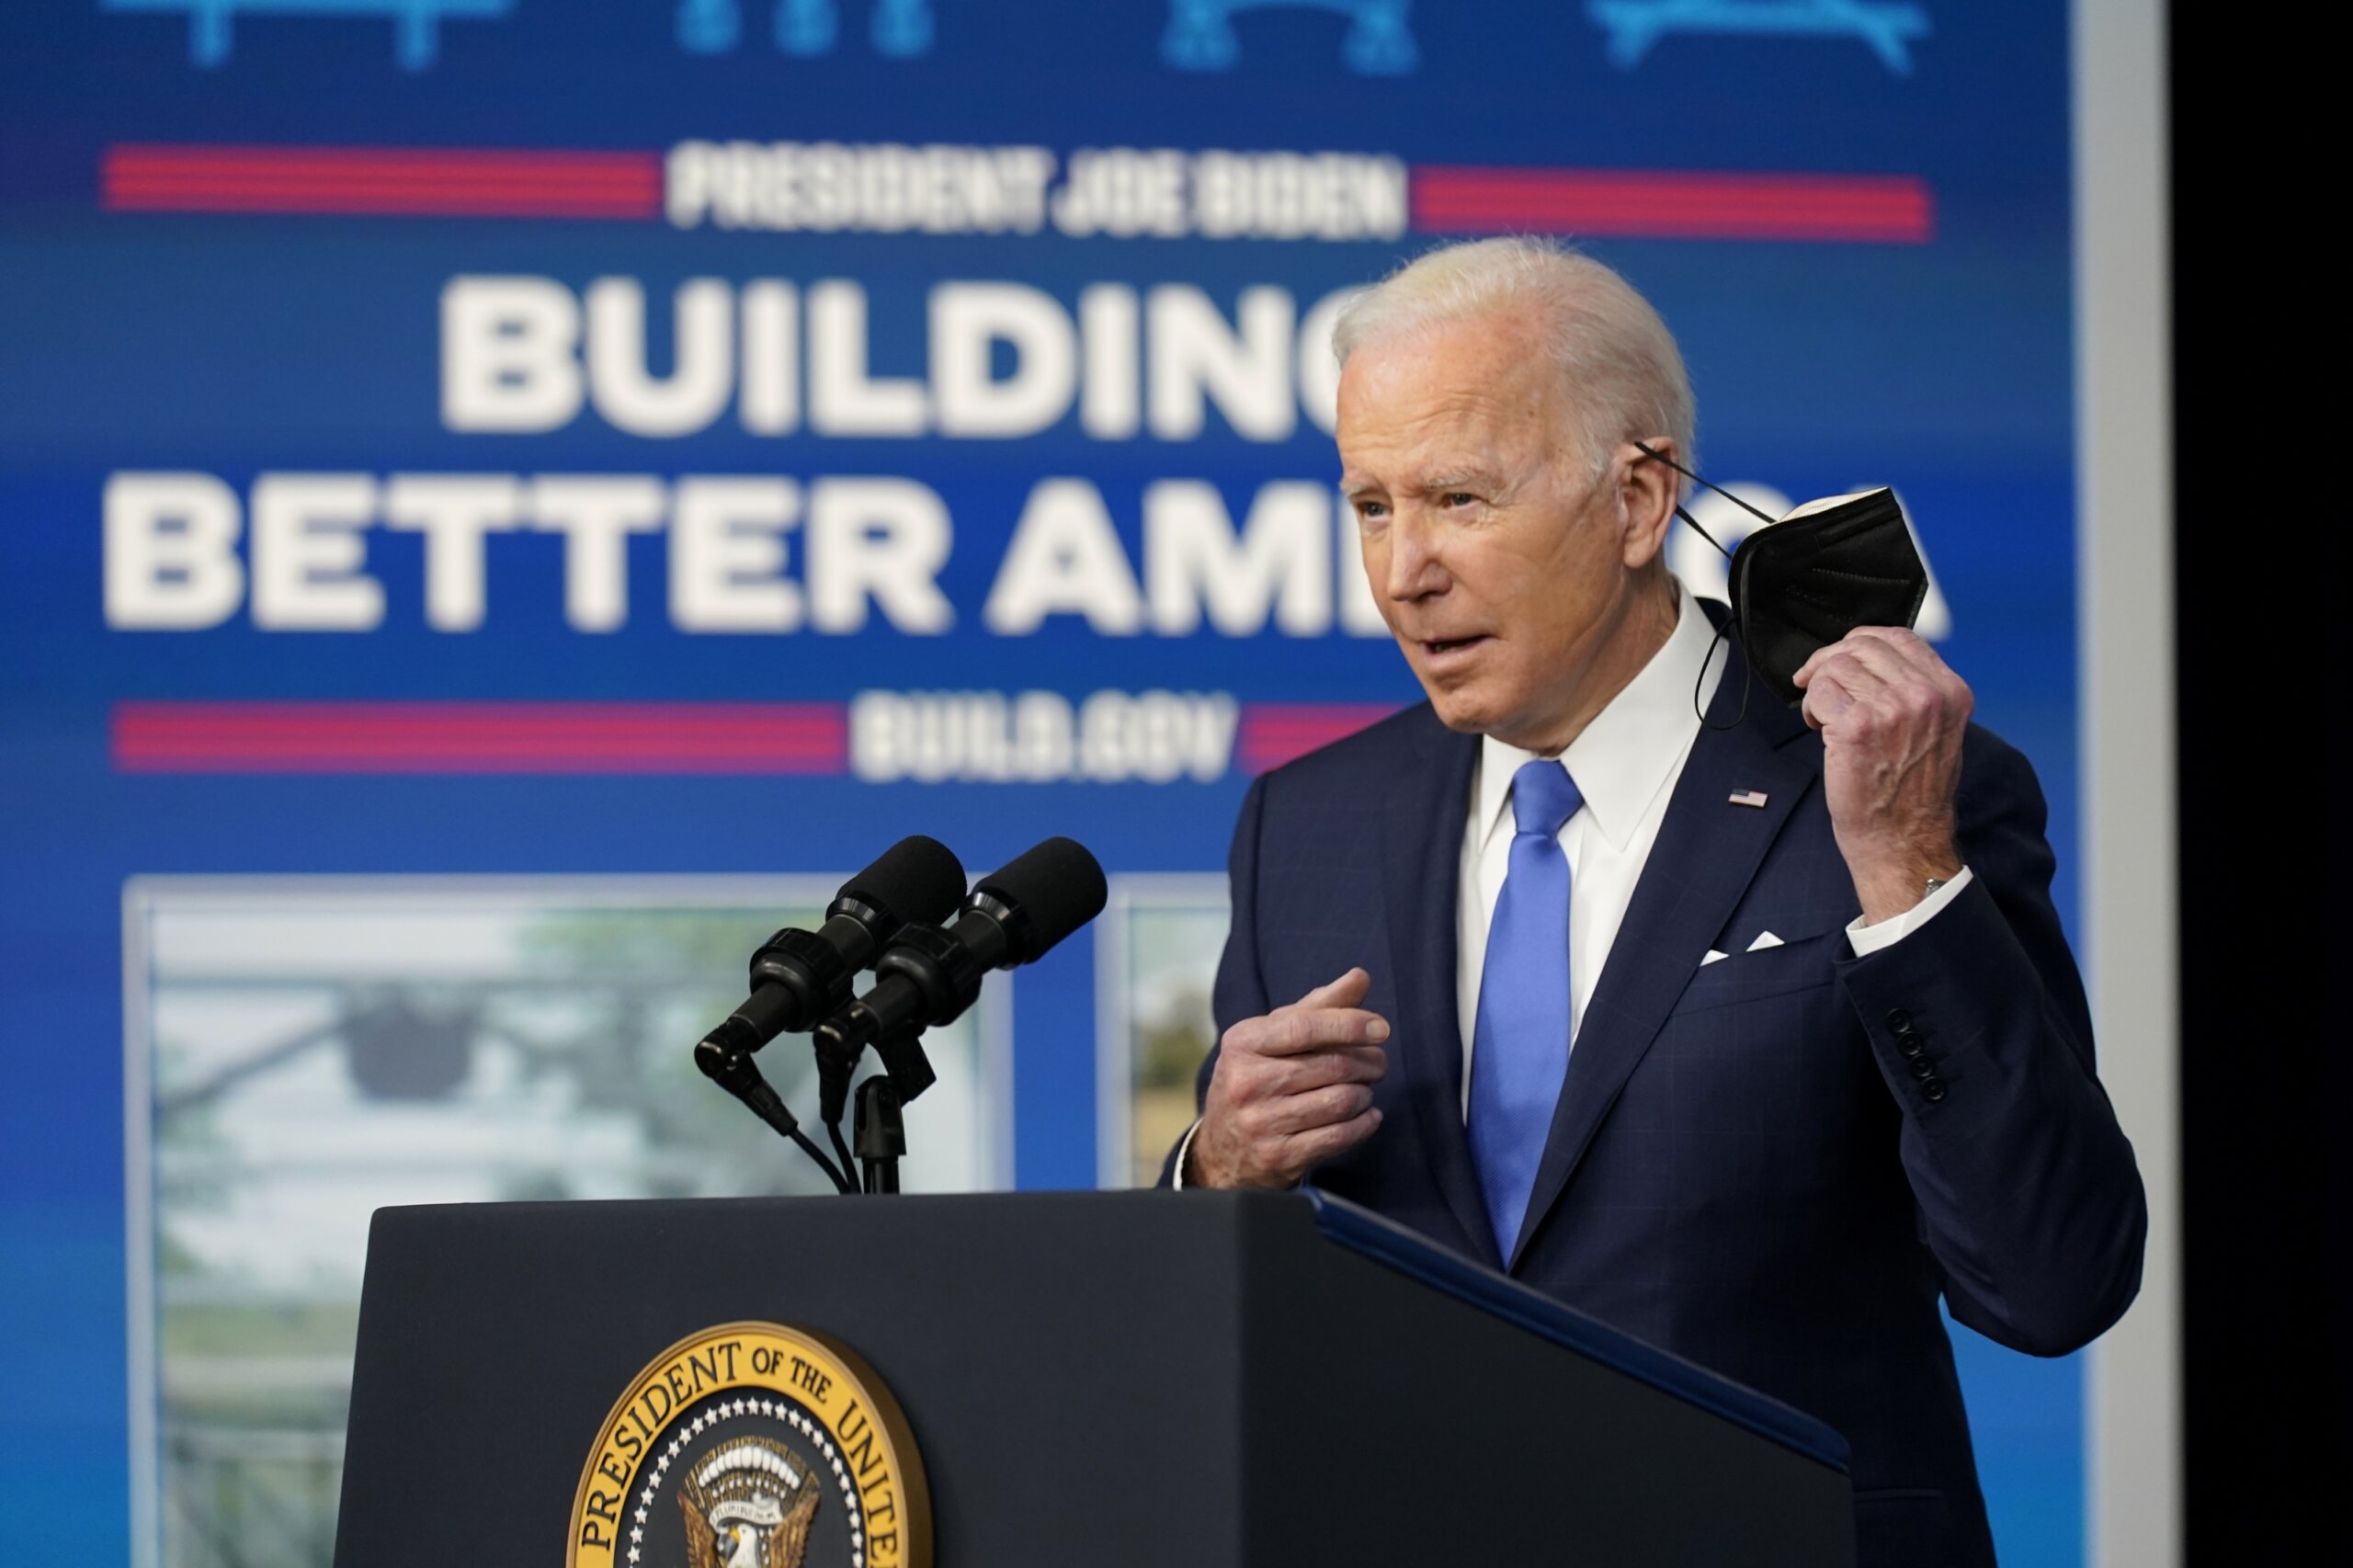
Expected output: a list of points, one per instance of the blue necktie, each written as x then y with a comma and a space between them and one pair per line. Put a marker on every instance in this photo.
1519, 1052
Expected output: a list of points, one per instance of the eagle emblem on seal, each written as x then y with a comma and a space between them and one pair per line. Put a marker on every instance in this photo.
748, 1504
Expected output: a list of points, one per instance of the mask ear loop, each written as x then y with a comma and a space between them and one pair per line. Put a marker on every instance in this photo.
1701, 680
1747, 671
1649, 451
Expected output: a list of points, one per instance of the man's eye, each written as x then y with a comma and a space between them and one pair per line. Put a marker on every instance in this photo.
1458, 498
1372, 510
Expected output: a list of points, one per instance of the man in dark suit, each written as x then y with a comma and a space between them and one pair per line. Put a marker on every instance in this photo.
1750, 1037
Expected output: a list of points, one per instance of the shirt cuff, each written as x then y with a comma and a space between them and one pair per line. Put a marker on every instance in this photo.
1176, 1177
1868, 938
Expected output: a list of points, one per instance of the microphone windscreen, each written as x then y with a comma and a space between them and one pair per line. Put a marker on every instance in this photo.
1056, 888
917, 879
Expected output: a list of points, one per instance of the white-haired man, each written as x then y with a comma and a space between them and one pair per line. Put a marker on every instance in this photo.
1752, 1038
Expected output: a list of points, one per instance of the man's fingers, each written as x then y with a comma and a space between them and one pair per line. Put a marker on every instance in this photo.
1327, 1016
1295, 1114
1827, 701
1915, 654
1346, 991
1306, 1150
1879, 656
1895, 677
1339, 1065
1842, 684
1914, 673
1293, 1032
1316, 1069
1904, 645
1295, 1087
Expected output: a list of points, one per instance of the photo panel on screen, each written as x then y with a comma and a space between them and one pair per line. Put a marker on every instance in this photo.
302, 1051
1156, 946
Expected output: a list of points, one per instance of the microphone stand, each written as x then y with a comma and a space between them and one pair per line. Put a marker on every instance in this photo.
906, 1072
880, 1126
882, 1134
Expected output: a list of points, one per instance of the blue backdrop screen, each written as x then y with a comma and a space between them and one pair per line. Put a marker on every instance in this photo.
473, 445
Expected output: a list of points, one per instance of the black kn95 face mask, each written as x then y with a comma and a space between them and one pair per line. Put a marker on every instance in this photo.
1814, 577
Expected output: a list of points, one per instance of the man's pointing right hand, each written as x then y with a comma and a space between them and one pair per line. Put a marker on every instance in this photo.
1290, 1090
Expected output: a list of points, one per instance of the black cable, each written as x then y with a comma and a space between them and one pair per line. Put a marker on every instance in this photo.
736, 1073
841, 1183
841, 1148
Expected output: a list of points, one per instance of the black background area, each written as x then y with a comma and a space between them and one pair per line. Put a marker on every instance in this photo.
2266, 864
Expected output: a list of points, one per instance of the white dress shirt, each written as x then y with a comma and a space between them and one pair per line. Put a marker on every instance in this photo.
1625, 763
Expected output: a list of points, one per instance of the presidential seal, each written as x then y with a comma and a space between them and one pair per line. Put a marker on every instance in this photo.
753, 1445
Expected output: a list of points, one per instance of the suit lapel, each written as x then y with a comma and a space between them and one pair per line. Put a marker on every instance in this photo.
1708, 851
1421, 879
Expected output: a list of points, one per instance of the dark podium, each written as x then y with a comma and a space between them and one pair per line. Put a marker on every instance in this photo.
1133, 1380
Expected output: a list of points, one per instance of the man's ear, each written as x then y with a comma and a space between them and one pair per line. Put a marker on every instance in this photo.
1647, 493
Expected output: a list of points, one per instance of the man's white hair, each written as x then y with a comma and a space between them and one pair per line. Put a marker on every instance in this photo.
1621, 376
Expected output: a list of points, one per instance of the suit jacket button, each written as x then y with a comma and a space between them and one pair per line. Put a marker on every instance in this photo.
1933, 1090
1922, 1068
1899, 1020
1911, 1043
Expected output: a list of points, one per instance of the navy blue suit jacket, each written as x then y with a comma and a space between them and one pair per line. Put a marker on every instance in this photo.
1746, 1166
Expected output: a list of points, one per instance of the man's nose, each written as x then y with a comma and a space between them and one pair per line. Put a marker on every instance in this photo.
1415, 569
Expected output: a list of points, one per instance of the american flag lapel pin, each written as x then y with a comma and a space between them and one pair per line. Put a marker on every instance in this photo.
1748, 797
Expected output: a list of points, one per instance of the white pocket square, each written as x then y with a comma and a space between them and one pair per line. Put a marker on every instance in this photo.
1713, 957
1764, 939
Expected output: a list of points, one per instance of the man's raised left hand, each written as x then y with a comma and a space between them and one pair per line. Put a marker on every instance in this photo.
1892, 715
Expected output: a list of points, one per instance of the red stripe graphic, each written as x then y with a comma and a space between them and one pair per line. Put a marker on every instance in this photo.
508, 183
1887, 208
481, 737
1275, 732
451, 182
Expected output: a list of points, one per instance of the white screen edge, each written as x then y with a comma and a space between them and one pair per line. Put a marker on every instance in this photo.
2125, 617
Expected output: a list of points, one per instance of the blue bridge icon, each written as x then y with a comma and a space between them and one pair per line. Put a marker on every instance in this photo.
898, 28
1377, 43
1635, 27
416, 24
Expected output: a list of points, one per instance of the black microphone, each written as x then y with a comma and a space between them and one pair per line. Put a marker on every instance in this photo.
799, 977
928, 976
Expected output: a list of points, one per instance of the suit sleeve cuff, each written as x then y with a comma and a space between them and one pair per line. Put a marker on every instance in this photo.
1866, 939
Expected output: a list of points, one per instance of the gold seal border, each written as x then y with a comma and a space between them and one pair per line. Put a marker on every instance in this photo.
900, 1459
